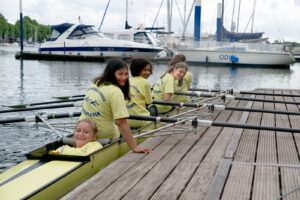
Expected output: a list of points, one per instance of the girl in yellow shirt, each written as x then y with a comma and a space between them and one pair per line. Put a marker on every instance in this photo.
85, 140
163, 89
104, 103
185, 84
140, 91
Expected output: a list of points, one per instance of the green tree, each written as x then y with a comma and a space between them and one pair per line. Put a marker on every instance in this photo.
32, 30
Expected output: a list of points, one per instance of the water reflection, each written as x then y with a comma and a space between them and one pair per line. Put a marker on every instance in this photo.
244, 78
21, 80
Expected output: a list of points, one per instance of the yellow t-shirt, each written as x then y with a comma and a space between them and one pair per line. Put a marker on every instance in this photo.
140, 93
161, 87
83, 151
104, 104
186, 84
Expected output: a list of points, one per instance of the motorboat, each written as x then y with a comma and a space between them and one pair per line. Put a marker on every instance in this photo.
84, 40
137, 34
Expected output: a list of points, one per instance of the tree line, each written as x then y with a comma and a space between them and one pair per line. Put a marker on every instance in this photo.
32, 30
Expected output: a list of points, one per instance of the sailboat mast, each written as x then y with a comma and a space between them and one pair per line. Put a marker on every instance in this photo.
219, 32
253, 14
232, 28
169, 15
238, 18
197, 21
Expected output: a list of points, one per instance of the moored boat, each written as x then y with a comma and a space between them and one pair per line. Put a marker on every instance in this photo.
238, 54
83, 40
48, 176
45, 176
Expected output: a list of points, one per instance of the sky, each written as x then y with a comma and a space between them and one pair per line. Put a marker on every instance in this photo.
278, 19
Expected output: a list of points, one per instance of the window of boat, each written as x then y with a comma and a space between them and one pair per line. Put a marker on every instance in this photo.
54, 35
109, 35
123, 37
142, 37
83, 32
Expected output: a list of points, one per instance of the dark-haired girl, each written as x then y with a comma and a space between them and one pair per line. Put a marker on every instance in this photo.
140, 90
104, 103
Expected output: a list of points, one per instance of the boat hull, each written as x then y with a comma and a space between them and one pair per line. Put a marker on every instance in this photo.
100, 47
52, 176
120, 52
271, 59
45, 179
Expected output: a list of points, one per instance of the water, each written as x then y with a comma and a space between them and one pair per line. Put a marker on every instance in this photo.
36, 81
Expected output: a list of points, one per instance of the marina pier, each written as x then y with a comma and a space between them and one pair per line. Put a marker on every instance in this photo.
215, 163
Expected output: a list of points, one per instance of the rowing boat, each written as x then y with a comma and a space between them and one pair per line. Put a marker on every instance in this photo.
45, 176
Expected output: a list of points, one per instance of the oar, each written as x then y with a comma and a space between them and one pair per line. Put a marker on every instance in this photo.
69, 97
216, 123
244, 92
157, 119
213, 107
42, 103
204, 90
269, 94
44, 116
77, 104
195, 94
230, 97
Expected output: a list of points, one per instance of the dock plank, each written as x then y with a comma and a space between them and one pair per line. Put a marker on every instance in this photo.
237, 186
216, 163
92, 187
266, 178
204, 176
288, 153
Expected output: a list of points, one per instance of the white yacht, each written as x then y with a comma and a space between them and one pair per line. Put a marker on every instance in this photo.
83, 40
256, 54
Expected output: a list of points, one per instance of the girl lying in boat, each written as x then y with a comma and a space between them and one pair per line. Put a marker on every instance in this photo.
85, 140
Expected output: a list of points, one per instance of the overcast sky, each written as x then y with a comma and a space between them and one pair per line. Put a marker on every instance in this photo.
279, 19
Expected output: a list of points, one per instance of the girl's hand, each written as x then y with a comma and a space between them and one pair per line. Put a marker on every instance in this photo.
140, 149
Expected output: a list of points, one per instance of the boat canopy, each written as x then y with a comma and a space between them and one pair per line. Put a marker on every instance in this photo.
57, 30
231, 36
82, 30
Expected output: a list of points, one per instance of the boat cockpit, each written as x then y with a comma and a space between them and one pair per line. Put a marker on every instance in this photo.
80, 32
133, 35
83, 32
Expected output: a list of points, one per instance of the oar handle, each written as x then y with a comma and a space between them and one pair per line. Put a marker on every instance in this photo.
255, 127
180, 104
154, 119
246, 126
205, 90
269, 94
195, 94
230, 97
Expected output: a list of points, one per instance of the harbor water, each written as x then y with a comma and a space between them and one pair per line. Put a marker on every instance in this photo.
31, 81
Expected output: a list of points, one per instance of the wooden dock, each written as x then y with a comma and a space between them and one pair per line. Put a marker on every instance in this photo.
215, 163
